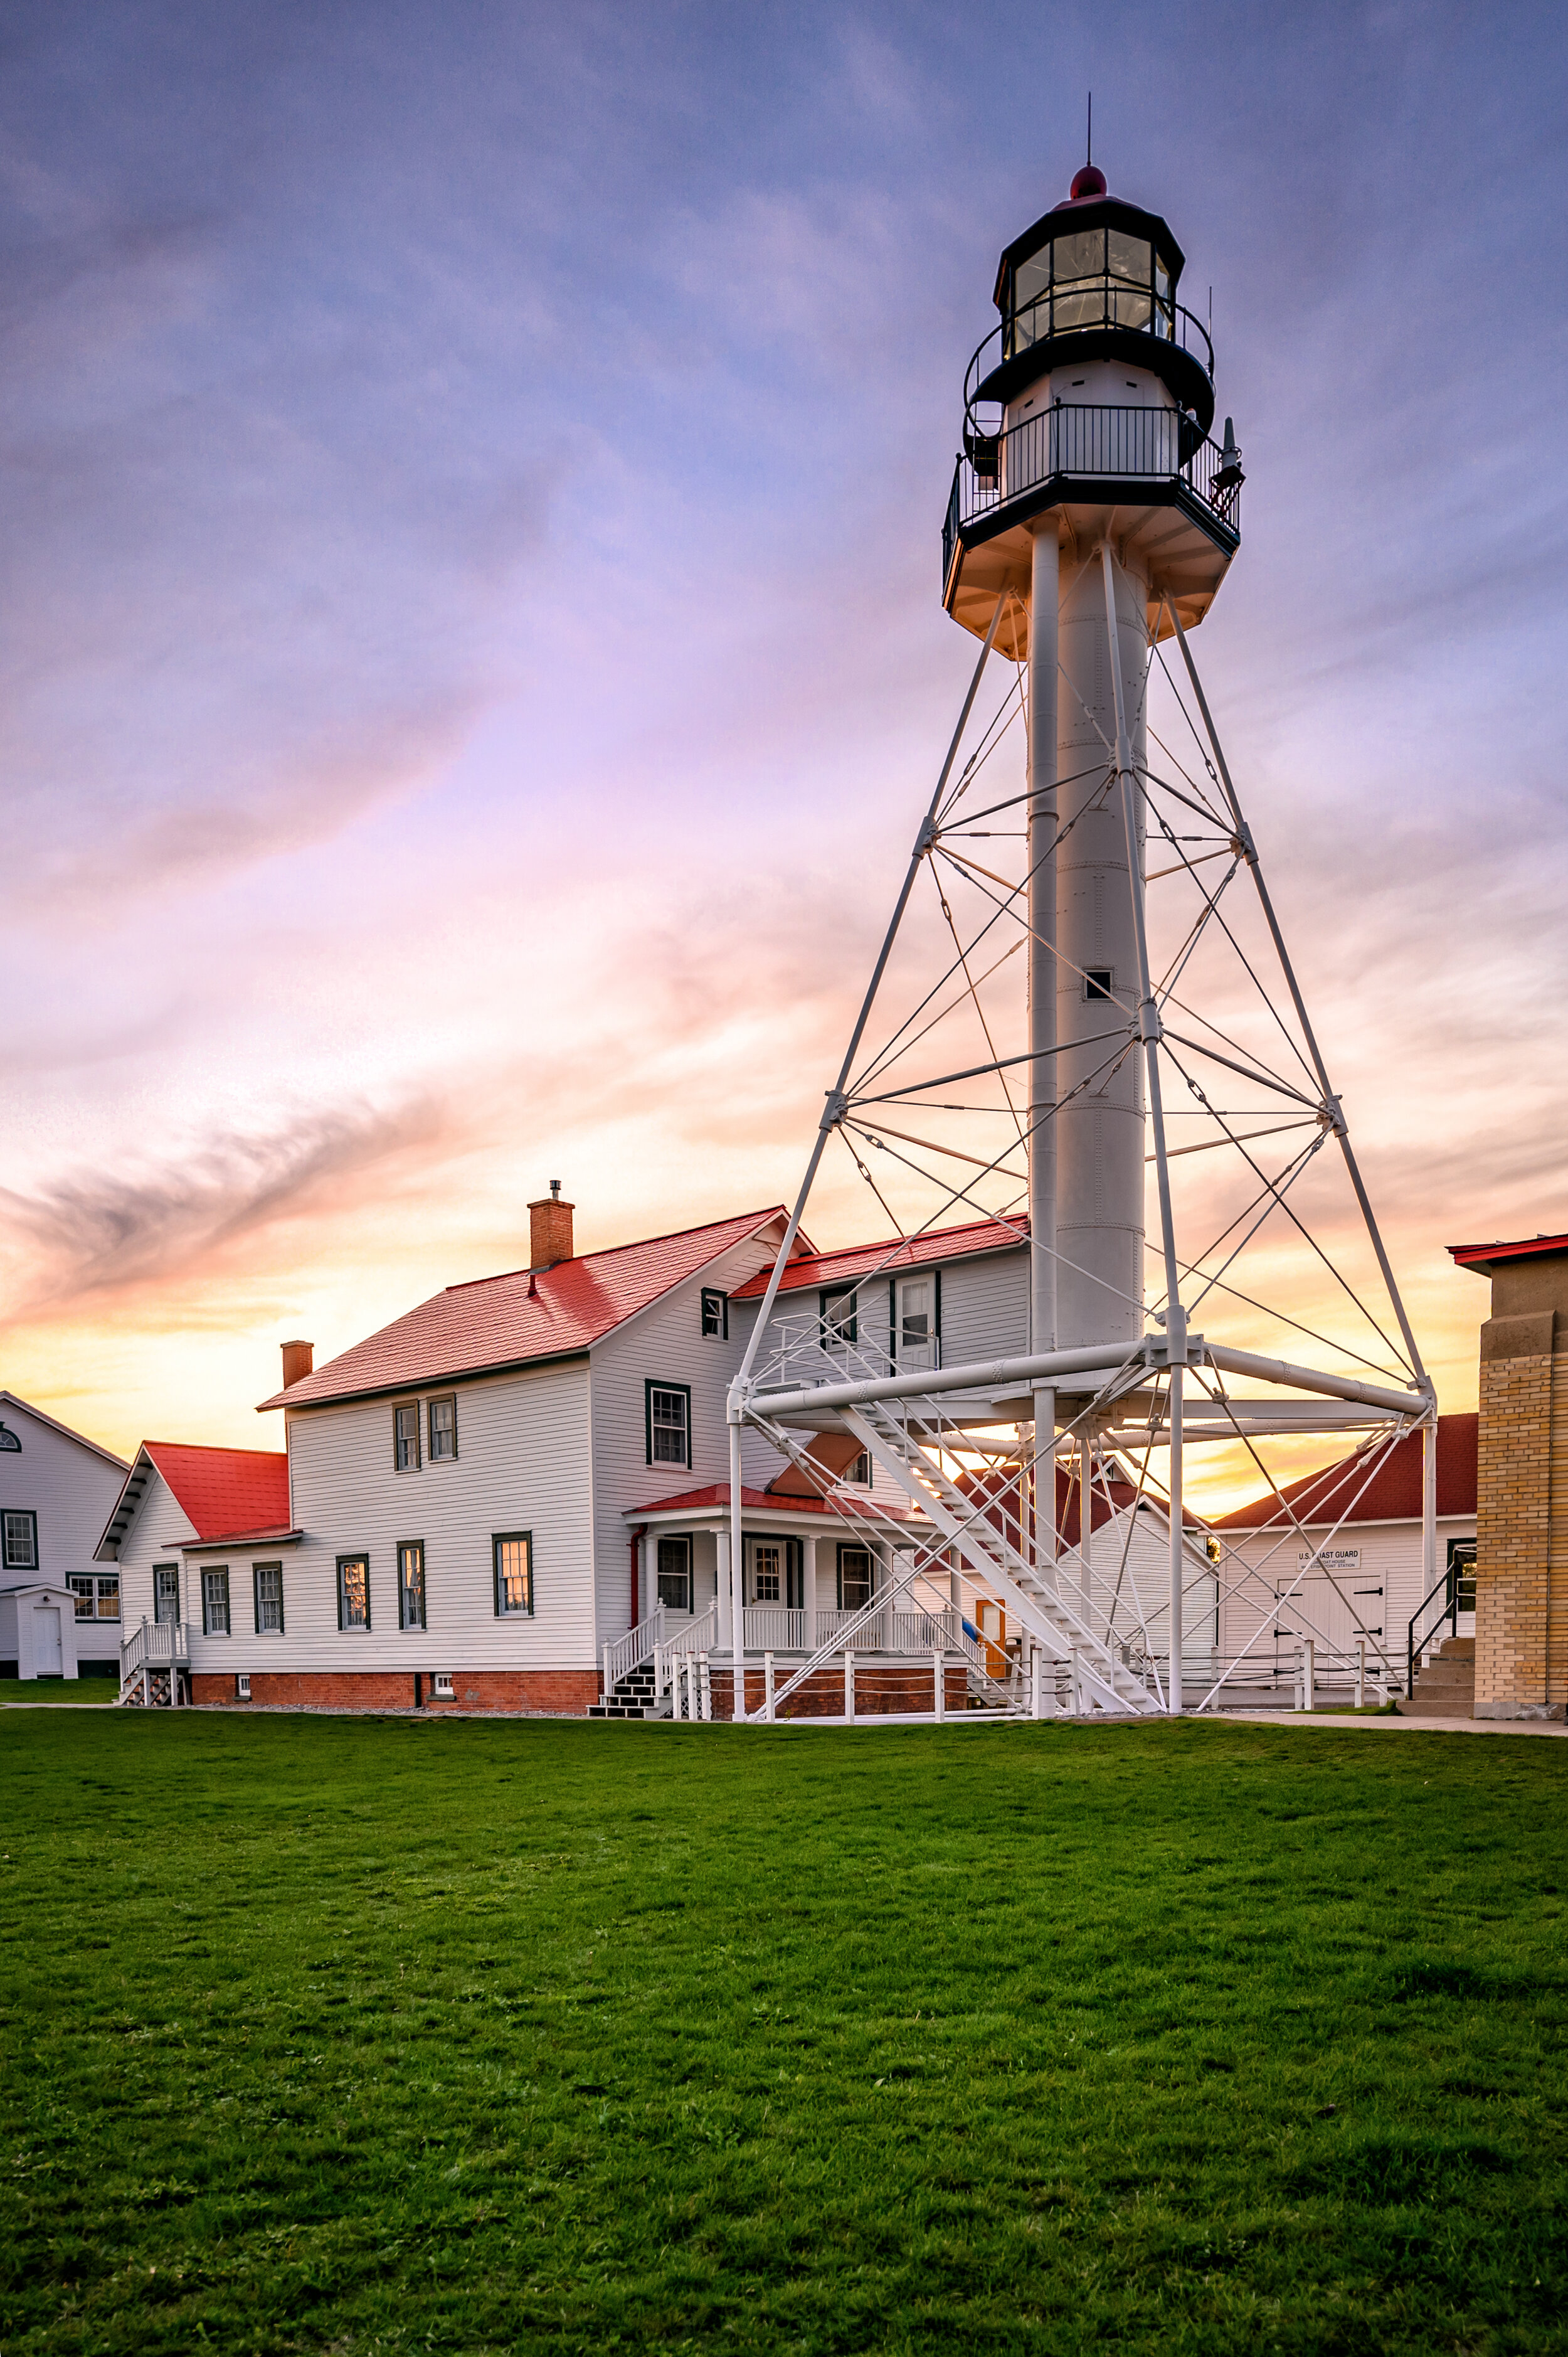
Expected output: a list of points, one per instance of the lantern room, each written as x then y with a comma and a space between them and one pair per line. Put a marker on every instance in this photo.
1096, 277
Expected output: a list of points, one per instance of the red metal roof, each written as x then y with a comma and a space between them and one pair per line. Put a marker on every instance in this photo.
761, 1502
506, 1321
1393, 1494
225, 1491
1480, 1256
896, 1254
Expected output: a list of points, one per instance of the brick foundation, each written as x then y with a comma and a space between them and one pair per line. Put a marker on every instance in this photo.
554, 1691
879, 1687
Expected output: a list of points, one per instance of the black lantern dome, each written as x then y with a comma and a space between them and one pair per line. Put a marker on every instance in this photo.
1095, 277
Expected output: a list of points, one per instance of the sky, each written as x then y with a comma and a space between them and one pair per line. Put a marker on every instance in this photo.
471, 633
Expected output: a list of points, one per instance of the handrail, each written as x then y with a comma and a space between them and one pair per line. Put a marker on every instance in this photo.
637, 1645
1448, 1588
1095, 440
1182, 329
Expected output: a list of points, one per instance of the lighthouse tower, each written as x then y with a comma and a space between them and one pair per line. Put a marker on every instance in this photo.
1089, 489
1094, 512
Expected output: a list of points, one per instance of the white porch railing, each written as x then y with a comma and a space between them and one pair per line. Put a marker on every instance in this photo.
639, 1645
775, 1629
156, 1645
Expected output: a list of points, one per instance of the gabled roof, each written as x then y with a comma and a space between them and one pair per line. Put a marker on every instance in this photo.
498, 1322
1392, 1495
894, 1257
222, 1492
1482, 1258
25, 1407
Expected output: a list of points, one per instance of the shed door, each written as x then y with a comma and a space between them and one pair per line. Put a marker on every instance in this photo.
49, 1660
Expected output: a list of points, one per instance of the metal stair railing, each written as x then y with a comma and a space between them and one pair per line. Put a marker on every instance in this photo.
1447, 1589
1046, 1616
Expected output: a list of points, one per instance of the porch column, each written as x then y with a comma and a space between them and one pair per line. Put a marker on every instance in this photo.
724, 1645
809, 1591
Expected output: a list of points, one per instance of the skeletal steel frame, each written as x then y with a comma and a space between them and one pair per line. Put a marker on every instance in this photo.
917, 1424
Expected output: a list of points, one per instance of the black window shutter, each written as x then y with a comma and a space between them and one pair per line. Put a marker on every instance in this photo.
256, 1596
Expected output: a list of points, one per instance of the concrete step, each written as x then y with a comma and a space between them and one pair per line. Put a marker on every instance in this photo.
1439, 1706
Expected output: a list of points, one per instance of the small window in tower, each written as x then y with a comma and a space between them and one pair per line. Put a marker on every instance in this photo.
1100, 981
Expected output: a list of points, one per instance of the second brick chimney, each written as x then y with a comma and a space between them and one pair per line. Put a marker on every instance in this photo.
299, 1360
550, 1229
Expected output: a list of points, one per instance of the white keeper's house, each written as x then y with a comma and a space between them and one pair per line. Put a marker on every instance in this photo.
506, 1498
59, 1613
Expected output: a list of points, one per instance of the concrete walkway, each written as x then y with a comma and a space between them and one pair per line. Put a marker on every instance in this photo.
1379, 1722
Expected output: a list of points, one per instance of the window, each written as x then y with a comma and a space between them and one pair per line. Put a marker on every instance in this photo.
675, 1573
405, 1437
1100, 981
215, 1601
97, 1597
166, 1591
9, 1444
768, 1576
915, 1322
854, 1577
443, 1428
411, 1583
668, 1409
441, 1685
267, 1580
243, 1687
21, 1540
840, 1325
858, 1470
353, 1591
1462, 1572
514, 1572
715, 1313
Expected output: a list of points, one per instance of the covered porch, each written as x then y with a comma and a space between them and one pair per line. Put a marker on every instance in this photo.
811, 1575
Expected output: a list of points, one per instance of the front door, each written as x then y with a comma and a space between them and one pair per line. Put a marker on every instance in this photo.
49, 1655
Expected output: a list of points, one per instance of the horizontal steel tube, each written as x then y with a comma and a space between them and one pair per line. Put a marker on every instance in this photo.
993, 1373
1308, 1379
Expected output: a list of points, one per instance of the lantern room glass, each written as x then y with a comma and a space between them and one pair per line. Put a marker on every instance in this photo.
1084, 279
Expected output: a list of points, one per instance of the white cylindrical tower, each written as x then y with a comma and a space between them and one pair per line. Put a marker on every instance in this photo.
1098, 1068
1086, 421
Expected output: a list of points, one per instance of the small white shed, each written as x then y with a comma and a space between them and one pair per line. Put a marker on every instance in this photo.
38, 1630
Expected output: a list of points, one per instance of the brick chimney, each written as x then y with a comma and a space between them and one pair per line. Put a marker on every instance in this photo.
550, 1229
299, 1360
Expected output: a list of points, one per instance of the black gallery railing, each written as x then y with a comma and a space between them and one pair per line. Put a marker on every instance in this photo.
1093, 444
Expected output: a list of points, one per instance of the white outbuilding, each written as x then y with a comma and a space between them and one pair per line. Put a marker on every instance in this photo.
57, 1491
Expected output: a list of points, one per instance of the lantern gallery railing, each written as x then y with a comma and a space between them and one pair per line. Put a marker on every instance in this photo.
1077, 444
1088, 306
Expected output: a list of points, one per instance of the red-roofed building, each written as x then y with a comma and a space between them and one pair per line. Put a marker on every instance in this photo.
1338, 1555
479, 1503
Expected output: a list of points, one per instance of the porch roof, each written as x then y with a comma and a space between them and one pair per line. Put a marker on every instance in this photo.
715, 1499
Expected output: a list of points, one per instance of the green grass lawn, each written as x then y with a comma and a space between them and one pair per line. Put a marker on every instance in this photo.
365, 2036
23, 1694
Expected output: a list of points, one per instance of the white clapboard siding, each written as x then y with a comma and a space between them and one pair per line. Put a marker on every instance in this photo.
665, 1343
985, 1309
1390, 1559
158, 1529
522, 1464
70, 1485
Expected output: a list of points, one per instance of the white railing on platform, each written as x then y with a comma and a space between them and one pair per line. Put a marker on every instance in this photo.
638, 1645
775, 1629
